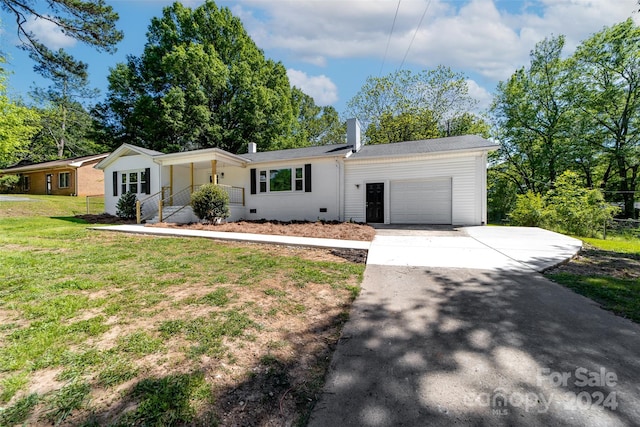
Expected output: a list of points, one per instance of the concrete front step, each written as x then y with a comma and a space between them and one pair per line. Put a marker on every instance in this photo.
175, 214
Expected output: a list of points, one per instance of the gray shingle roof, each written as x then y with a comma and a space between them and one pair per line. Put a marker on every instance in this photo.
52, 164
426, 146
338, 150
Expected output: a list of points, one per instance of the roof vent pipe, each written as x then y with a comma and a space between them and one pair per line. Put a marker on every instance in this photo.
353, 134
253, 147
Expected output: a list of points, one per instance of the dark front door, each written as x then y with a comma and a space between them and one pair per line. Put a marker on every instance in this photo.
375, 202
49, 183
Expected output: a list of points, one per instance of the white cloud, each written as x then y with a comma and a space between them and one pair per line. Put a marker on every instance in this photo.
490, 38
480, 94
49, 34
320, 88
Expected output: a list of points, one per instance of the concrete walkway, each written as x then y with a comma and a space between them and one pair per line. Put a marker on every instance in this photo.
241, 237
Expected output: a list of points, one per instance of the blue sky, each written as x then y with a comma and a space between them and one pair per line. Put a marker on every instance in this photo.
329, 47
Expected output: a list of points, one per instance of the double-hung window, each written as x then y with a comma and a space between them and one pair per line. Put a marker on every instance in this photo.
133, 181
64, 179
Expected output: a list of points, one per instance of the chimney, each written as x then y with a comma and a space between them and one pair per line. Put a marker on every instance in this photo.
253, 147
353, 134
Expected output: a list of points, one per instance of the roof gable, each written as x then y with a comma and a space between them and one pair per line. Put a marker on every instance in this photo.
126, 150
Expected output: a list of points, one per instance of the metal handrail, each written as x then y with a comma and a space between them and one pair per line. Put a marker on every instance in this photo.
144, 207
171, 201
236, 197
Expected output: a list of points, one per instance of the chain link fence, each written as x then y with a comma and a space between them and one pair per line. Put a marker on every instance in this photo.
626, 227
95, 204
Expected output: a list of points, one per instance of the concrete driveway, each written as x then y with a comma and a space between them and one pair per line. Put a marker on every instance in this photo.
489, 248
496, 345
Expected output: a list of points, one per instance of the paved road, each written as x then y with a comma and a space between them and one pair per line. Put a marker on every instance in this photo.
434, 346
5, 198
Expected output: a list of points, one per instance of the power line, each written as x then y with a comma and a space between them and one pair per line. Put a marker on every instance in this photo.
389, 39
414, 34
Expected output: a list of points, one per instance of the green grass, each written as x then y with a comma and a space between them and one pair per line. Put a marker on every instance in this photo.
620, 295
50, 206
616, 244
103, 309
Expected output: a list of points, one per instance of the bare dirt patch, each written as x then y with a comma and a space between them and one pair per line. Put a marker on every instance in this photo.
592, 261
321, 229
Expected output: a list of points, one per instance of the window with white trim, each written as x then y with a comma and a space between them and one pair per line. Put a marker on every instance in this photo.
133, 181
283, 179
64, 179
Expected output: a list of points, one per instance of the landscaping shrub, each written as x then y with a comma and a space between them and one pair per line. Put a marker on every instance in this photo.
210, 203
530, 210
126, 206
568, 208
577, 210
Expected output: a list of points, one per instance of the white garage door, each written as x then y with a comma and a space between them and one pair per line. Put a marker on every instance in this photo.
421, 202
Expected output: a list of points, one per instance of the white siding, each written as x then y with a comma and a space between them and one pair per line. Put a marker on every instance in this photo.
298, 205
466, 170
126, 163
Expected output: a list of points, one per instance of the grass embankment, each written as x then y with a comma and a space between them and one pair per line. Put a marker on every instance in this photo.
607, 271
108, 328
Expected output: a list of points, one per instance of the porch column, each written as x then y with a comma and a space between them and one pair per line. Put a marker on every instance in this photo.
191, 167
170, 186
171, 179
214, 176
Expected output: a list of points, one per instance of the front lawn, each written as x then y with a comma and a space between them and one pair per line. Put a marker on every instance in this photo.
608, 272
108, 328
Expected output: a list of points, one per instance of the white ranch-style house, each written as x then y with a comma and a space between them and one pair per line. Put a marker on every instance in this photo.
436, 181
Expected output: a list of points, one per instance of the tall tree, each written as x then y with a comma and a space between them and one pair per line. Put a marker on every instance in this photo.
89, 21
403, 98
316, 125
79, 135
608, 96
69, 85
533, 111
17, 124
403, 127
201, 82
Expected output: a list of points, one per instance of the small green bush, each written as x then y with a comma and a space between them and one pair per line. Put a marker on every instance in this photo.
126, 206
577, 210
210, 203
8, 183
568, 208
530, 210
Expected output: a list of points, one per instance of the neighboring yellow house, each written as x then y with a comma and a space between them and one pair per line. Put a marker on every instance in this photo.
66, 177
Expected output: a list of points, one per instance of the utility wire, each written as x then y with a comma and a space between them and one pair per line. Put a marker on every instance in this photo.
389, 39
414, 34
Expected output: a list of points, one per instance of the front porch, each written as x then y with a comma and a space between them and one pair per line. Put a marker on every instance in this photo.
182, 174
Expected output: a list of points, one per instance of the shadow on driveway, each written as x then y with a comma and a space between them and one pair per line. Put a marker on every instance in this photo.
467, 347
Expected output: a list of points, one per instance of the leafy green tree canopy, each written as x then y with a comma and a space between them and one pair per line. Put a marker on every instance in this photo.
64, 116
607, 97
317, 125
201, 82
533, 113
402, 99
17, 125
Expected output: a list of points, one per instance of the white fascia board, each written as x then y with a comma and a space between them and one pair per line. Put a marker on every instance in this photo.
204, 155
418, 156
